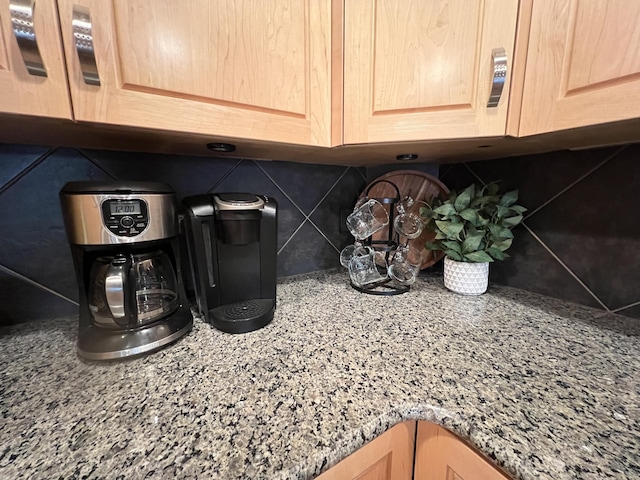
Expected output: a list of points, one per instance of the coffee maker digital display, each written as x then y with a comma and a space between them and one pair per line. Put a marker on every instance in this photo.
124, 207
125, 246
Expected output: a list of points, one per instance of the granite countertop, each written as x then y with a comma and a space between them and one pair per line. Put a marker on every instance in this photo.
548, 390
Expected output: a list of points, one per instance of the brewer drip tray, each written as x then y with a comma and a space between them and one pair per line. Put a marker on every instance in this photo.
243, 316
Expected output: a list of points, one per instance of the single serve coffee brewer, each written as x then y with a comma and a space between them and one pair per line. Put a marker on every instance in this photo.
231, 239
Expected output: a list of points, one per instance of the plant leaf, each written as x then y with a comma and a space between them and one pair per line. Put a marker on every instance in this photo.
503, 244
452, 245
496, 253
502, 211
509, 198
451, 230
472, 243
445, 209
512, 221
453, 255
518, 208
471, 215
500, 232
464, 198
478, 257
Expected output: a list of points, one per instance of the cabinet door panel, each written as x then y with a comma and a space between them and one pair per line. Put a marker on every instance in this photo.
388, 457
418, 70
440, 455
583, 67
20, 91
252, 69
221, 59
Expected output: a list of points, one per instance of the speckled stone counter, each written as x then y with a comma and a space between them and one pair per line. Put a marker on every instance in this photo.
548, 390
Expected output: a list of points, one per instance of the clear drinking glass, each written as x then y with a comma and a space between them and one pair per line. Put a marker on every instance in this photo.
408, 224
350, 251
363, 270
405, 265
367, 219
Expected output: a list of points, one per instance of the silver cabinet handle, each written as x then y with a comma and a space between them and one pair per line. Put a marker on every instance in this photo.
499, 60
22, 23
83, 40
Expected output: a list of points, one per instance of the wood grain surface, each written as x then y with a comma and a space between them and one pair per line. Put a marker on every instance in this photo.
420, 186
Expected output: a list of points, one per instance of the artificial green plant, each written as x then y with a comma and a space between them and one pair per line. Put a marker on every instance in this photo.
473, 225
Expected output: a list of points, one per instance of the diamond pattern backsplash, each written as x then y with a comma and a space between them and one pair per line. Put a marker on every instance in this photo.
580, 239
37, 280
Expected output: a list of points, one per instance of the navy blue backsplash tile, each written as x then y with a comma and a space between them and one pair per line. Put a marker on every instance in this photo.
573, 244
36, 270
580, 239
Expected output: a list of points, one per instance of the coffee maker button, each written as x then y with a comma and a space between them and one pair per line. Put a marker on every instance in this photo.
127, 222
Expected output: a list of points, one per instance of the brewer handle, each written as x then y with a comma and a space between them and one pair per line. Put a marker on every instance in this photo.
115, 286
21, 12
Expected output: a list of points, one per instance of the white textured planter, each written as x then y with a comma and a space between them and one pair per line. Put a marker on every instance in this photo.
466, 278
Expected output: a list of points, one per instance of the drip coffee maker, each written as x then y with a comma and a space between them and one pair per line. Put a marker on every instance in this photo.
124, 243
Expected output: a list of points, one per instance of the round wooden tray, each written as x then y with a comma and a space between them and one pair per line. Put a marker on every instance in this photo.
422, 187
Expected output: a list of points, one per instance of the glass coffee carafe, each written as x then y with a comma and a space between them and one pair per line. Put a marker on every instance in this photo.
127, 291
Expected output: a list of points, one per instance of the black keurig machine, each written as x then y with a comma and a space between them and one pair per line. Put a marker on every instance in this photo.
231, 239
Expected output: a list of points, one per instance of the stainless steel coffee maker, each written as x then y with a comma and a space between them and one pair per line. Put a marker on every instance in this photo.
125, 246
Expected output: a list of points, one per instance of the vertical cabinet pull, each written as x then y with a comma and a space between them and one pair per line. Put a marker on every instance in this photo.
499, 60
83, 40
21, 12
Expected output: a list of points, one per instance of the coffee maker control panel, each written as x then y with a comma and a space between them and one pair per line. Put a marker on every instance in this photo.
125, 218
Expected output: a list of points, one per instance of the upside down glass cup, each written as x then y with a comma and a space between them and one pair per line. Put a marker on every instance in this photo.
407, 223
367, 219
351, 251
405, 265
362, 268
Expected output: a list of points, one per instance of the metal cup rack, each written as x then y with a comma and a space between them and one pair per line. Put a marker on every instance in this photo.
384, 287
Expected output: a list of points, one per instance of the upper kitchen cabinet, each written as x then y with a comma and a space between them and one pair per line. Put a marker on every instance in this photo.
237, 69
583, 64
33, 79
417, 70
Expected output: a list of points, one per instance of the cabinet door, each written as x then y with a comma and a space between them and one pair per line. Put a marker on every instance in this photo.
251, 69
440, 455
388, 457
22, 92
417, 70
583, 65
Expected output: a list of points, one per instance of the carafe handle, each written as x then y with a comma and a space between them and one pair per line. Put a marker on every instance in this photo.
115, 286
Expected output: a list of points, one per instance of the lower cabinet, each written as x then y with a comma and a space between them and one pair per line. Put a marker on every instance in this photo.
415, 450
388, 457
441, 455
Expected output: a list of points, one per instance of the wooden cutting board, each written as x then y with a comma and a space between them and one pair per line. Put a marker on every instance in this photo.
421, 187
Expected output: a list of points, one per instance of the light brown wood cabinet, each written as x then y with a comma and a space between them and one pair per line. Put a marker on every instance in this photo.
417, 70
440, 455
583, 65
252, 69
404, 453
20, 91
396, 76
388, 457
